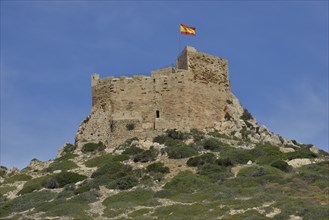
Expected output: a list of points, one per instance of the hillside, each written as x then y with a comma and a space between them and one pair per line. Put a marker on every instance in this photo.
174, 145
178, 175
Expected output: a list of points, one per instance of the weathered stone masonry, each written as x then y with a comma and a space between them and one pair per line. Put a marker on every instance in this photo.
192, 95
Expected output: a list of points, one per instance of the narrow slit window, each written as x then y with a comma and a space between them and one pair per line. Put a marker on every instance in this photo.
158, 114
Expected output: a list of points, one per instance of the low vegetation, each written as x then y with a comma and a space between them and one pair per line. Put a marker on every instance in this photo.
18, 177
93, 147
201, 177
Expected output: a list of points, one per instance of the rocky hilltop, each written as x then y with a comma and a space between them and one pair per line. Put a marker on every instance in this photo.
174, 145
194, 94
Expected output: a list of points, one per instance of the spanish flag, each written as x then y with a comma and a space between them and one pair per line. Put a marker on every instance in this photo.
184, 29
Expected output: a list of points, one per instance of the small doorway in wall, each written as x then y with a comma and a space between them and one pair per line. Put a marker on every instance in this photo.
157, 114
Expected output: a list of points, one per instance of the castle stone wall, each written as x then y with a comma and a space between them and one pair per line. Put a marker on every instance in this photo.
192, 95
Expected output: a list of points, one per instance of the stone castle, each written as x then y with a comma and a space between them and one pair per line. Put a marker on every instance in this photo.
194, 94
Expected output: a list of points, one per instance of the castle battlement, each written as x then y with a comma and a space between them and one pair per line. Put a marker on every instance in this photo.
191, 95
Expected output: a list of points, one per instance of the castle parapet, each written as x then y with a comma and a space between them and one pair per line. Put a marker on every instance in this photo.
191, 95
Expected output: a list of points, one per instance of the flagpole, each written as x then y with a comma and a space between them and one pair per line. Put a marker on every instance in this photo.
179, 42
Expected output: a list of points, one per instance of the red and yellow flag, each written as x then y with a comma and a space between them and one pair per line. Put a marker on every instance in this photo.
184, 29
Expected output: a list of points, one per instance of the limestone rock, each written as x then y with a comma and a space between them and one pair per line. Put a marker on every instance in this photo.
36, 164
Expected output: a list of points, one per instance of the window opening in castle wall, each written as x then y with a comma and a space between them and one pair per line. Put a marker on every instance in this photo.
157, 114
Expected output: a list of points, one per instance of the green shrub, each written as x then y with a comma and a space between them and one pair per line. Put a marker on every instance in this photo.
26, 202
254, 171
5, 189
214, 145
267, 154
66, 156
161, 139
315, 174
113, 170
146, 156
219, 135
92, 147
69, 148
157, 168
93, 183
239, 156
68, 208
132, 150
123, 183
168, 141
175, 134
306, 208
201, 160
61, 179
139, 213
226, 162
187, 182
17, 177
302, 152
196, 134
214, 172
245, 132
257, 171
35, 184
246, 115
123, 201
86, 197
282, 165
138, 197
103, 159
164, 193
3, 171
62, 165
181, 151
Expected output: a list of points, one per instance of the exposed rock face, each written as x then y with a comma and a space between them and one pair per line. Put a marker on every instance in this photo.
36, 164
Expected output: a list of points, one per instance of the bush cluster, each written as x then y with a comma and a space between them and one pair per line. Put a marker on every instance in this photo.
214, 144
181, 150
146, 155
62, 163
302, 152
92, 147
226, 162
246, 115
196, 134
157, 167
132, 150
175, 134
93, 183
113, 170
281, 165
17, 177
214, 171
25, 202
123, 183
51, 181
187, 182
201, 160
34, 184
176, 148
104, 159
69, 148
62, 179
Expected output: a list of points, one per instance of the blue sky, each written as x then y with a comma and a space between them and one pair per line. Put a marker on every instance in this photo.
277, 52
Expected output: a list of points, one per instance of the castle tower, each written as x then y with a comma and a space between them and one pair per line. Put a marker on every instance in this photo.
193, 96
